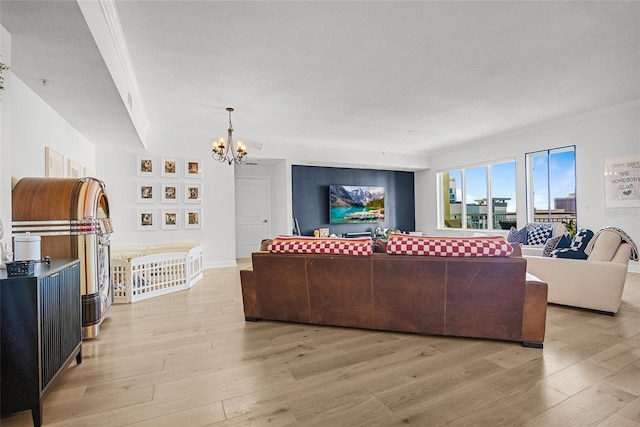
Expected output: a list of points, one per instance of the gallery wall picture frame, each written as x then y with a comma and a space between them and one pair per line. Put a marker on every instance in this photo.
146, 192
170, 193
170, 219
192, 193
146, 166
193, 218
146, 219
169, 167
74, 169
88, 172
192, 167
53, 163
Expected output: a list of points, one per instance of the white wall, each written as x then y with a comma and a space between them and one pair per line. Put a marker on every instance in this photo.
28, 125
345, 157
117, 167
612, 132
35, 125
5, 145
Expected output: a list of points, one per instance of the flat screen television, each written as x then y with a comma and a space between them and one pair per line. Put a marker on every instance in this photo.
355, 204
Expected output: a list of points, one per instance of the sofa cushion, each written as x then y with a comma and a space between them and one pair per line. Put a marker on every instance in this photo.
321, 245
559, 229
538, 233
605, 247
517, 236
402, 244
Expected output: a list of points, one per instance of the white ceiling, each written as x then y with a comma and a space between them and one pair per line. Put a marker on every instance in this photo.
390, 76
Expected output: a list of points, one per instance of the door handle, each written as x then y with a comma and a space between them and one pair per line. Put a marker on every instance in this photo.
264, 220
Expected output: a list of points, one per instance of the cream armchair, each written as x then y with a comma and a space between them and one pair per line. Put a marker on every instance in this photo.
595, 283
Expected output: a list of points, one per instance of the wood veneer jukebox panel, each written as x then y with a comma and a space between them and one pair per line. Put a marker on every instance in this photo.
72, 218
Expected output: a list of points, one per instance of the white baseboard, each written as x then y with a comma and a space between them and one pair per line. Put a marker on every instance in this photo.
220, 264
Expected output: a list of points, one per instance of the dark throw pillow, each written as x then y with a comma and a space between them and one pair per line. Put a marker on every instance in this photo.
564, 242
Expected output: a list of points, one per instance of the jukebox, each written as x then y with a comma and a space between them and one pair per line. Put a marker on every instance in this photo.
72, 218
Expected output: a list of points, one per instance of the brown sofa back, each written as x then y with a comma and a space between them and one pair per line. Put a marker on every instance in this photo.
471, 297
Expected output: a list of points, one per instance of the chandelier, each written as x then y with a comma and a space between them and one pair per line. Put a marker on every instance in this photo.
226, 151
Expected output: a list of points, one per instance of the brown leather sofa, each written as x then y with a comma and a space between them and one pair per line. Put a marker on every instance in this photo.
486, 297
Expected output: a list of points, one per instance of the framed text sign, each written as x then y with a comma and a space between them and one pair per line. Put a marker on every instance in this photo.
622, 181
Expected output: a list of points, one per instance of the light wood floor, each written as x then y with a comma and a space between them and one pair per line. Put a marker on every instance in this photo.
189, 359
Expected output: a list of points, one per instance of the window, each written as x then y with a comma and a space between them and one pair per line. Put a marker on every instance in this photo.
488, 192
551, 185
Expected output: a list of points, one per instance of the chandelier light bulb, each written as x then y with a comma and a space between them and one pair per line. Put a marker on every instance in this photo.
242, 148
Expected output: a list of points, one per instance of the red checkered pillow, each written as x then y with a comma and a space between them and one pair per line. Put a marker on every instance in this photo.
402, 244
321, 245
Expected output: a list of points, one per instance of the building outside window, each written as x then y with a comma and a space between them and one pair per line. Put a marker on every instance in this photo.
488, 192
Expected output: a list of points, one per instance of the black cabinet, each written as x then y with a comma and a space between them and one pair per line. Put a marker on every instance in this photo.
41, 317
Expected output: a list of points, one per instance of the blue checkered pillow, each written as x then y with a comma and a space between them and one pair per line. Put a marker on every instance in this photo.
577, 247
581, 239
538, 234
517, 236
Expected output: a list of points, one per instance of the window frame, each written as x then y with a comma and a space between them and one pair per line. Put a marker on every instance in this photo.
530, 198
440, 193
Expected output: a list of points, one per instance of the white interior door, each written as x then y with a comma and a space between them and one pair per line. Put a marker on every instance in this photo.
253, 214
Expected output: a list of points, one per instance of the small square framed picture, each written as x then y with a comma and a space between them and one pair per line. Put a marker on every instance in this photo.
146, 166
170, 219
169, 167
146, 219
192, 193
193, 218
192, 168
170, 193
146, 192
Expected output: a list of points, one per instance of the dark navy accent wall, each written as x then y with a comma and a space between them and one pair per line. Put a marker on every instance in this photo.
310, 196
